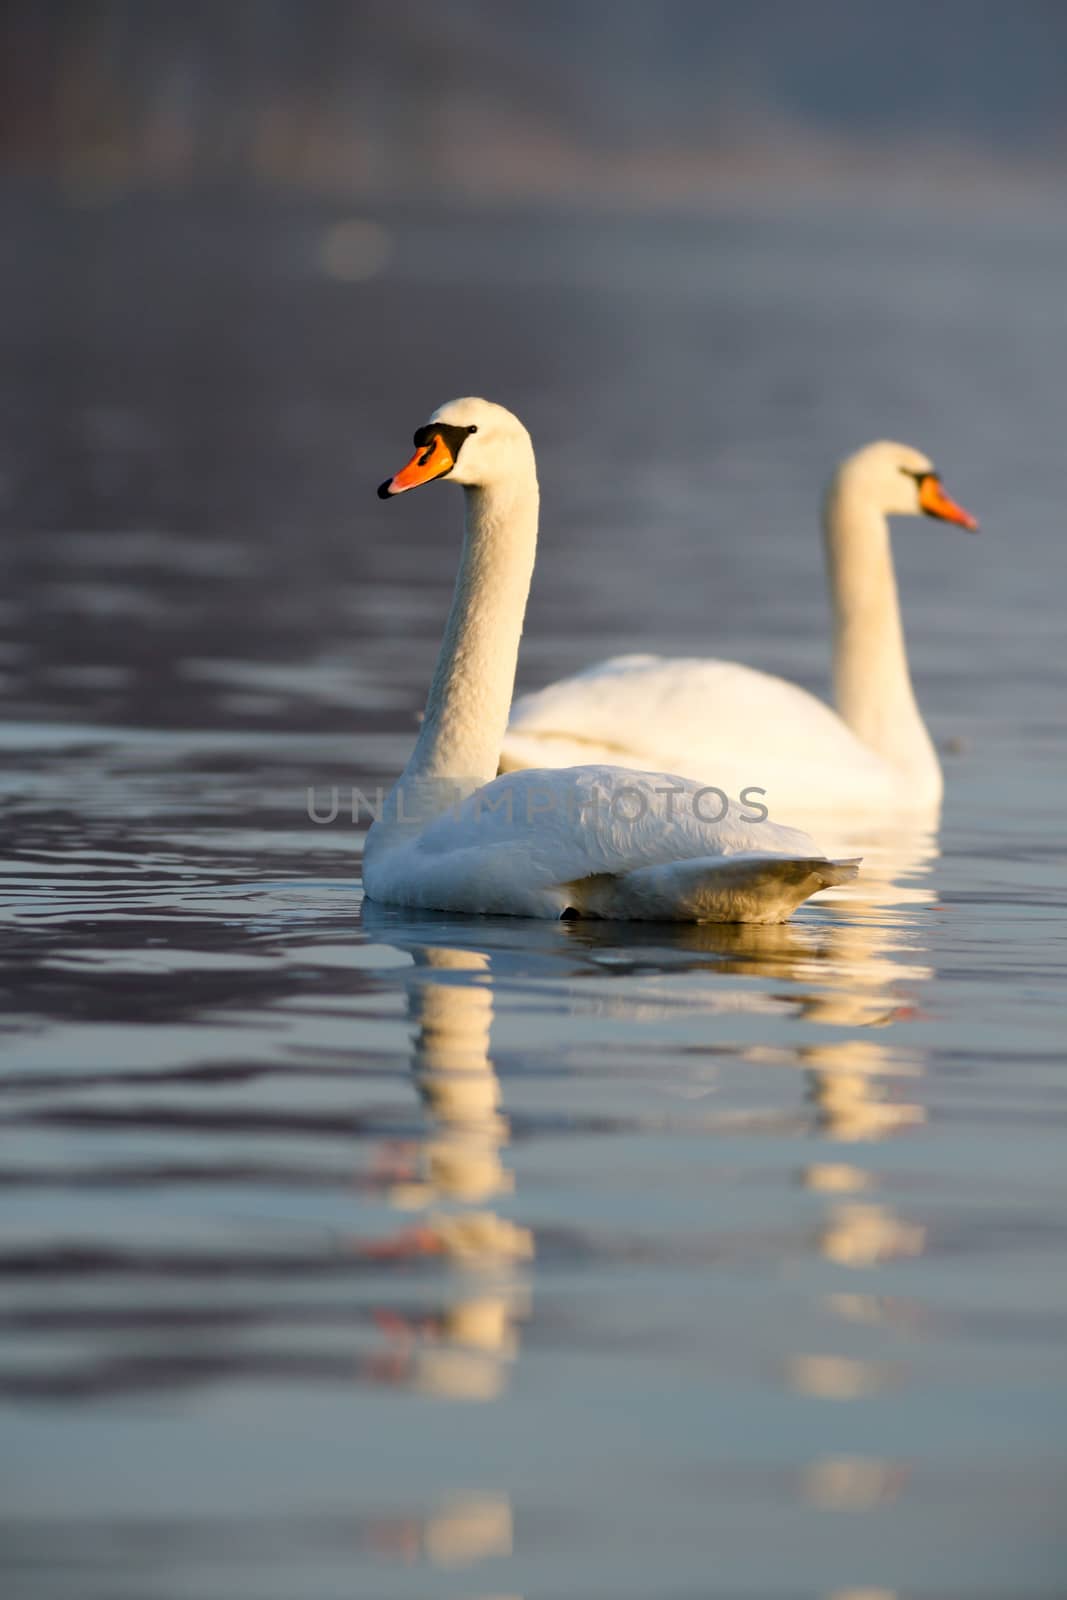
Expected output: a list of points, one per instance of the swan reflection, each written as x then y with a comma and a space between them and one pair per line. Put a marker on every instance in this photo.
463, 1350
819, 1000
826, 996
857, 1084
851, 1483
463, 1531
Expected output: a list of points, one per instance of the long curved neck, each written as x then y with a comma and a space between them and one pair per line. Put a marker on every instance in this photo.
872, 684
470, 695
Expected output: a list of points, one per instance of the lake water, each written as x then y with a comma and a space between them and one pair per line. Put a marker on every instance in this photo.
349, 1254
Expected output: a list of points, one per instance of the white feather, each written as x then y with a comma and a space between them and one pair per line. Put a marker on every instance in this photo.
741, 728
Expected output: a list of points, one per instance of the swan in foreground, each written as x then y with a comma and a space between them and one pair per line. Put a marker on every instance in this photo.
740, 728
592, 841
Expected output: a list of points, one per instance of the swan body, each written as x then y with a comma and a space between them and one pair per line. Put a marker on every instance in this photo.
592, 840
740, 728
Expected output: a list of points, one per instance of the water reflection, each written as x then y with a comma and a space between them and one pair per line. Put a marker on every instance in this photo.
838, 1377
846, 979
852, 1483
857, 1235
865, 1593
879, 950
464, 1531
436, 1302
848, 1085
463, 1352
856, 971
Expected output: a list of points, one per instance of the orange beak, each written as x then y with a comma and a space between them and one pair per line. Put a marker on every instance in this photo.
430, 461
936, 503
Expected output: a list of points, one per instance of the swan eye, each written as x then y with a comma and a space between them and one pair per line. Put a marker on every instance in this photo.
920, 477
450, 434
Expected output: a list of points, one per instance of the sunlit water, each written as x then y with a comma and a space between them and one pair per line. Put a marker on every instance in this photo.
350, 1254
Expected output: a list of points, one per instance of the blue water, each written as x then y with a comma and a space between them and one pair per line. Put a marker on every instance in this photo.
346, 1253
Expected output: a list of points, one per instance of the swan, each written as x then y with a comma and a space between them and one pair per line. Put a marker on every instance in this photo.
592, 840
742, 728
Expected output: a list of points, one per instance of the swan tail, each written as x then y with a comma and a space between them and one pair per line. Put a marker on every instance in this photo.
758, 889
838, 871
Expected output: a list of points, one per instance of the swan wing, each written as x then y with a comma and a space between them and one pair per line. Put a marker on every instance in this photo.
601, 841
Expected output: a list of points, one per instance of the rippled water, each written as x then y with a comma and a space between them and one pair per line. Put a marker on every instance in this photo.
349, 1254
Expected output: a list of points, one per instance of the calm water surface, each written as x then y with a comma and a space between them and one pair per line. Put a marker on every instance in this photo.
350, 1254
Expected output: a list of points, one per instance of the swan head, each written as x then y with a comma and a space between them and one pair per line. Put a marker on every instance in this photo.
472, 442
901, 482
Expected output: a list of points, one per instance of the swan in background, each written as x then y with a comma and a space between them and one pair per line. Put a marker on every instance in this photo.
739, 728
591, 841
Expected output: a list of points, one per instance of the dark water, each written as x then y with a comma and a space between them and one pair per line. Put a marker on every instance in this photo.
472, 1259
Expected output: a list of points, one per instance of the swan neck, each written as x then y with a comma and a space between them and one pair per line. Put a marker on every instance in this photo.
470, 694
872, 683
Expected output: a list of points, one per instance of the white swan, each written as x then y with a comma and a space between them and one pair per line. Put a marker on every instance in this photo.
740, 728
591, 841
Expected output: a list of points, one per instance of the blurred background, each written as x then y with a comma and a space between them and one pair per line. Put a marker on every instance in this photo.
686, 101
